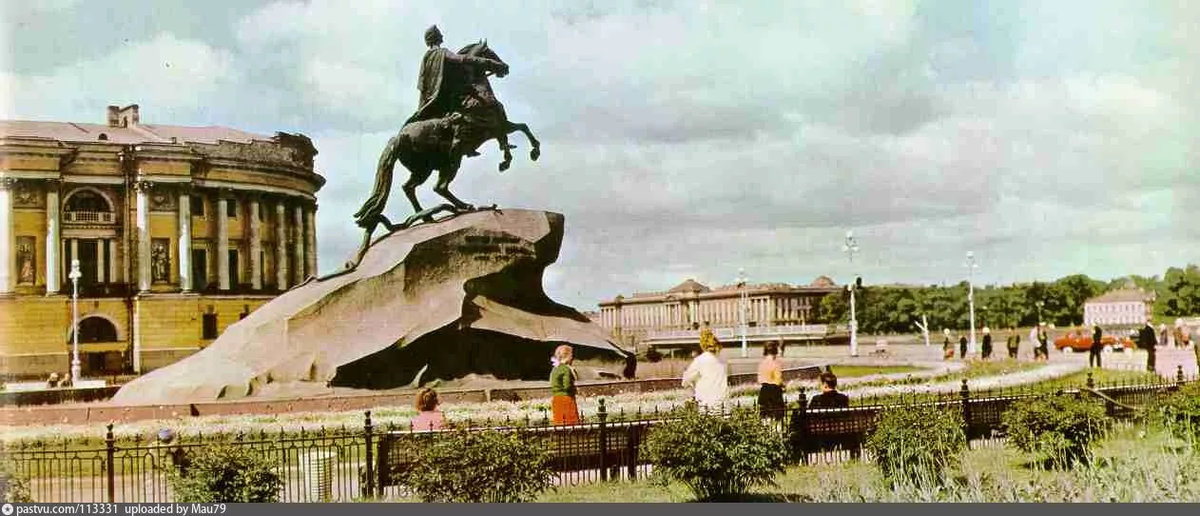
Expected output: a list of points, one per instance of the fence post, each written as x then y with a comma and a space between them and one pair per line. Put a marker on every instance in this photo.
381, 462
797, 425
633, 441
603, 413
1179, 371
110, 463
1091, 384
965, 393
367, 435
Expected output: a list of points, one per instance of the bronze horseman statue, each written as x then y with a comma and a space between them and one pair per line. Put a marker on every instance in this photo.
457, 113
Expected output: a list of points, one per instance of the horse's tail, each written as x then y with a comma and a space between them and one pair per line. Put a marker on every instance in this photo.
369, 214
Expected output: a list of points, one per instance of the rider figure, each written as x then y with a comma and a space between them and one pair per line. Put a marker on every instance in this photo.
441, 97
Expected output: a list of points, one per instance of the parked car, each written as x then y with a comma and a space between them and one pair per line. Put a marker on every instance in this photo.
1076, 341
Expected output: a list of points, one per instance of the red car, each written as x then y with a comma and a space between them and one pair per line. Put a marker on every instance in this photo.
1077, 341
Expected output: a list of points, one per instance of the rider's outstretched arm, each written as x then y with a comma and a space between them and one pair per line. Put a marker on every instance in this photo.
489, 64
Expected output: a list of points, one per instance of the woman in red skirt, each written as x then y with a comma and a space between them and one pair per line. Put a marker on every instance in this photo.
562, 387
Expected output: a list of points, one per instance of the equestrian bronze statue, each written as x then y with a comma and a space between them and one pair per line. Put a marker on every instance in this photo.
458, 112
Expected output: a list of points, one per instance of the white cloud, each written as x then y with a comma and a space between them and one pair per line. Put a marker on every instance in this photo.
165, 73
687, 139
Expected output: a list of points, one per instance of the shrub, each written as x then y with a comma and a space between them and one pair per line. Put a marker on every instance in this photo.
1058, 430
13, 488
480, 466
717, 457
226, 473
1180, 413
917, 444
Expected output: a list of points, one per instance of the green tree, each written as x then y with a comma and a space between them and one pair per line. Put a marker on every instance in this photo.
1180, 294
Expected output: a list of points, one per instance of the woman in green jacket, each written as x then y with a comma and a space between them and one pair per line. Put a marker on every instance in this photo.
562, 387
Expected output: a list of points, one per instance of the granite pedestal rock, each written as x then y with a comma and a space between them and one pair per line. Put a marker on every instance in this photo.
459, 296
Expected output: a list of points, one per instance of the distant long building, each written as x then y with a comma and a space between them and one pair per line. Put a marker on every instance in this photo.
1128, 306
691, 303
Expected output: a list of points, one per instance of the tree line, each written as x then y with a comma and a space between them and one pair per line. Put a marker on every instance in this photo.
896, 309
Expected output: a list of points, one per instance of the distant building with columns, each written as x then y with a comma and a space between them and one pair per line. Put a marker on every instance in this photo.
689, 304
1129, 306
179, 232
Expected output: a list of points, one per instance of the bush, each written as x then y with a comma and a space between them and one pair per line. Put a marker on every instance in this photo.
480, 466
917, 444
1058, 430
13, 488
1180, 413
717, 457
226, 473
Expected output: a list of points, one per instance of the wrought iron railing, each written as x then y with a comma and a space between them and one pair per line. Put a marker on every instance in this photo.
350, 464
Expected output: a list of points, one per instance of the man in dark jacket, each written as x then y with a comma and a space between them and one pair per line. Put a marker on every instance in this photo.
829, 397
962, 347
1147, 341
1014, 343
986, 350
1097, 347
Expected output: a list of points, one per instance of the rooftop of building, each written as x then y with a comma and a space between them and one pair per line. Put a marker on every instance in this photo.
124, 126
690, 286
1124, 295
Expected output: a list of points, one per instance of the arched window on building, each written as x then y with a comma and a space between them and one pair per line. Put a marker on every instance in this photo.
87, 201
100, 351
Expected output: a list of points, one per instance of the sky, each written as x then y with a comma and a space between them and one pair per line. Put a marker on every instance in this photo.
692, 139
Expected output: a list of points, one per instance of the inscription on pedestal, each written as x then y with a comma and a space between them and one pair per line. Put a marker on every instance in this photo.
494, 248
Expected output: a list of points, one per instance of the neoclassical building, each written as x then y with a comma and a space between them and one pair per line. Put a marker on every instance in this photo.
1129, 306
178, 231
691, 303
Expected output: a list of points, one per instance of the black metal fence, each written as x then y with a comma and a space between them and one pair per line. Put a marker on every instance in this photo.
349, 464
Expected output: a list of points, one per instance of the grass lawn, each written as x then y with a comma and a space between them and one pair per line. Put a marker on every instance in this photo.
1137, 464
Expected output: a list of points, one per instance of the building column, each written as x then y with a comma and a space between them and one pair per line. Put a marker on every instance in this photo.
298, 242
281, 259
310, 241
222, 243
185, 240
112, 260
53, 235
143, 235
255, 245
100, 276
8, 258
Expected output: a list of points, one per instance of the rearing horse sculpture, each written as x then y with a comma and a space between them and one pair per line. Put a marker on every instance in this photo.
423, 146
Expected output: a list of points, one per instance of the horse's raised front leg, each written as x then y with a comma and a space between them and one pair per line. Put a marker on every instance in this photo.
502, 141
445, 176
536, 150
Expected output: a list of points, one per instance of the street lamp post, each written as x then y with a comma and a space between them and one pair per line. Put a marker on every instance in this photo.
851, 247
742, 302
971, 266
76, 368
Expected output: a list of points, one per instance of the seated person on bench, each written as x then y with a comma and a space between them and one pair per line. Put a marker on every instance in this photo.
829, 397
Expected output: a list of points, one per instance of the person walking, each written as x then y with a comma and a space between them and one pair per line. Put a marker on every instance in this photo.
706, 375
1147, 341
1097, 347
1180, 340
962, 347
562, 387
1043, 338
1013, 342
770, 378
947, 345
986, 349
